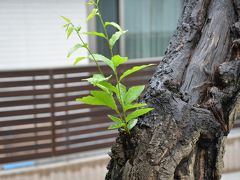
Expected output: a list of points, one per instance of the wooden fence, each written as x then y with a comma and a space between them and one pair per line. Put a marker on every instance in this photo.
39, 117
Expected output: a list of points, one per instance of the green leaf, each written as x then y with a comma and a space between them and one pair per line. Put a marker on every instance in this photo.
69, 31
78, 29
90, 100
66, 25
66, 19
105, 98
117, 60
99, 57
100, 98
133, 93
115, 119
93, 13
132, 106
78, 59
115, 37
95, 34
74, 48
115, 126
137, 113
132, 123
91, 2
103, 88
122, 89
134, 69
109, 86
114, 25
97, 78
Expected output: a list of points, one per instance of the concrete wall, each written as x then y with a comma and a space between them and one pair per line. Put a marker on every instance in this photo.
232, 155
81, 169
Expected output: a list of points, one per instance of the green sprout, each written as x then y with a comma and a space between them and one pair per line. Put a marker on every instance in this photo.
115, 96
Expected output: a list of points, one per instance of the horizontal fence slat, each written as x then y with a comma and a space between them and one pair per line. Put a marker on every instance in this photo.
25, 139
26, 148
26, 121
84, 148
32, 101
25, 131
84, 123
29, 156
83, 131
88, 139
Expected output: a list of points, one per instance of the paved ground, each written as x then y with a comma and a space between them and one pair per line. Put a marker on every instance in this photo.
231, 176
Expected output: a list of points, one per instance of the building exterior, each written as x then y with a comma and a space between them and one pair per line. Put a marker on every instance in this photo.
31, 33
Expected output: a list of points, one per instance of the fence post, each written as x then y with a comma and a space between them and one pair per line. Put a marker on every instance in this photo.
52, 106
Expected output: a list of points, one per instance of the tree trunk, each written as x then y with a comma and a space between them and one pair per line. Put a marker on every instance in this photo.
195, 93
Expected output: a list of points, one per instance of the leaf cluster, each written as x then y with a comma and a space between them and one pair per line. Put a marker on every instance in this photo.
116, 96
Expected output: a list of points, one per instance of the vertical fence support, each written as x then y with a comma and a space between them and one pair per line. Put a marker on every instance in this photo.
53, 129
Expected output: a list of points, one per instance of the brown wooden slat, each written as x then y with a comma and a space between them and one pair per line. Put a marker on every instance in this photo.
25, 139
88, 139
29, 156
84, 123
27, 73
84, 148
83, 131
24, 121
25, 148
42, 82
93, 114
24, 102
24, 112
25, 131
43, 110
43, 91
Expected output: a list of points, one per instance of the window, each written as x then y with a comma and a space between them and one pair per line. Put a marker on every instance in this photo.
150, 25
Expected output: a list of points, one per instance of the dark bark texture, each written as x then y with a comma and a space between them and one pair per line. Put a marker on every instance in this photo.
195, 93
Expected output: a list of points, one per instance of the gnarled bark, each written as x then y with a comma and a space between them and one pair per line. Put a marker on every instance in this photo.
195, 93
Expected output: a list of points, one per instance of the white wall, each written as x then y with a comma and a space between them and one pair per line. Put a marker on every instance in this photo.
91, 168
31, 33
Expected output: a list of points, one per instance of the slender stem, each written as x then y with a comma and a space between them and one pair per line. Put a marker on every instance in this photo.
115, 72
91, 54
105, 31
